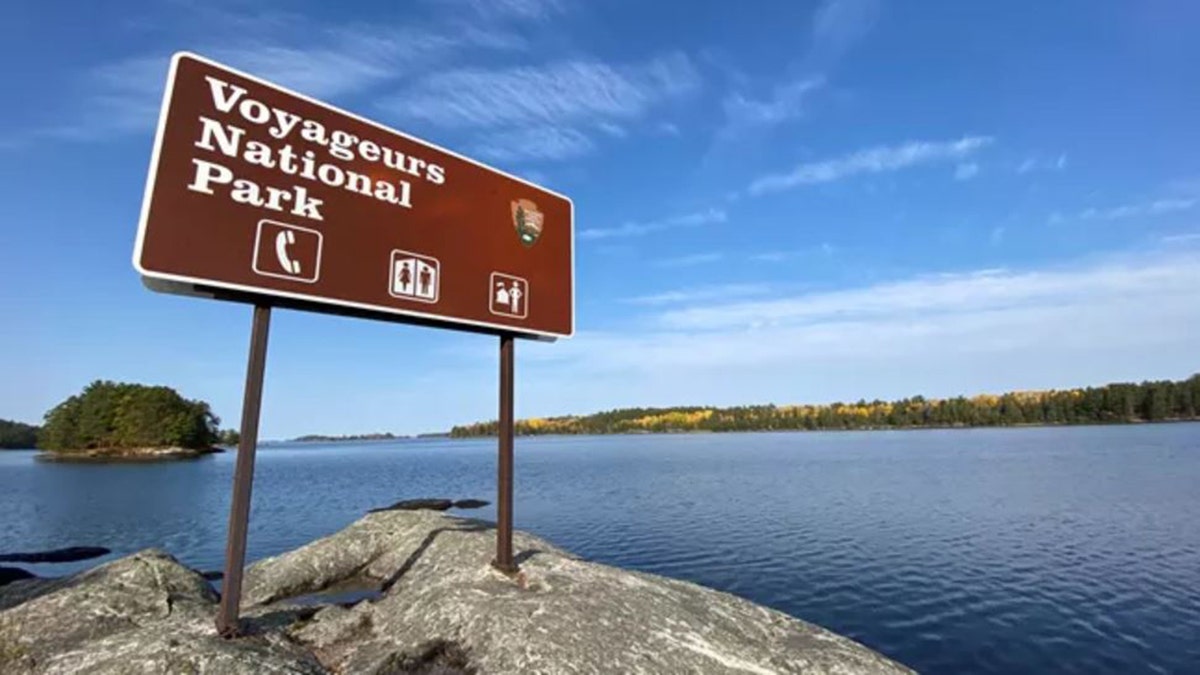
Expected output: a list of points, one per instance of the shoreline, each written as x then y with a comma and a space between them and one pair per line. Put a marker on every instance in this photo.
106, 455
160, 454
963, 427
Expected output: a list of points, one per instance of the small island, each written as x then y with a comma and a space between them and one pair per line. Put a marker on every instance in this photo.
117, 421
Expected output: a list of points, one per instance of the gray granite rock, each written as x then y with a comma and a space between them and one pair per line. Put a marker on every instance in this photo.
437, 606
142, 614
559, 615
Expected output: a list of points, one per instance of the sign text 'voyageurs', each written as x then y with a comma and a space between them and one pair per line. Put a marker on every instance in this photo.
256, 189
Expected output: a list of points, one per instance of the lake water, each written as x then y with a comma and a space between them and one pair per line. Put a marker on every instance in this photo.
986, 551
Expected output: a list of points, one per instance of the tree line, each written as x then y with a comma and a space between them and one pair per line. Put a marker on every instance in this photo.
17, 436
1111, 404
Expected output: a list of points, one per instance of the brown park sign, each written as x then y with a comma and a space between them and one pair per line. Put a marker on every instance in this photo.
259, 193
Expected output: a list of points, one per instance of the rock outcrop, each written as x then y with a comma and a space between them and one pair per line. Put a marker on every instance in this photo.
142, 614
433, 604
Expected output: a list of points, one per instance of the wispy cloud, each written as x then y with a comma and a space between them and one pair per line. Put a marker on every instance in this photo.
840, 24
122, 97
1154, 208
613, 130
557, 93
975, 291
691, 260
784, 103
354, 58
1036, 163
966, 171
704, 294
542, 112
1126, 211
327, 62
837, 26
520, 9
825, 249
1188, 186
873, 160
542, 143
637, 229
1186, 238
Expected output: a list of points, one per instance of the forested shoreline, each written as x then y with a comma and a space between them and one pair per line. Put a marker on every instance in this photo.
1118, 403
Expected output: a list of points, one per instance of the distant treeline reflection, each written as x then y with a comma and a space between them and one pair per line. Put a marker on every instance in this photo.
1114, 403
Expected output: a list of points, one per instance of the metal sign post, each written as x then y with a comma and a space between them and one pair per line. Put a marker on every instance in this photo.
504, 480
243, 475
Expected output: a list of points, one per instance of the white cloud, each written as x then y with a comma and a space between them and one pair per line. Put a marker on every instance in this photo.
966, 171
123, 97
825, 249
538, 143
537, 10
840, 24
691, 260
701, 294
614, 130
635, 229
354, 58
990, 330
837, 26
785, 103
1036, 163
668, 128
872, 160
558, 93
985, 289
1189, 186
1154, 208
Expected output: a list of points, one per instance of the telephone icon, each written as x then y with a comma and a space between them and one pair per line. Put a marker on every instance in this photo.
287, 252
283, 240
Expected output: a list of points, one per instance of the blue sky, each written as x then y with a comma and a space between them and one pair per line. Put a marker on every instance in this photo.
775, 201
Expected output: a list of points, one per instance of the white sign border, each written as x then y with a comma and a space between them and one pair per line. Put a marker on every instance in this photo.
153, 174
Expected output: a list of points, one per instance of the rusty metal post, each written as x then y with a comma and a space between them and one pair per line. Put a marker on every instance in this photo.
243, 476
504, 500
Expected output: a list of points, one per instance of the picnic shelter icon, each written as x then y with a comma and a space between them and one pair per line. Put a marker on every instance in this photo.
508, 295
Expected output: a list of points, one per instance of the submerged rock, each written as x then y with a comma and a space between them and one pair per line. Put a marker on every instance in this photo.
417, 505
432, 505
438, 607
58, 555
11, 574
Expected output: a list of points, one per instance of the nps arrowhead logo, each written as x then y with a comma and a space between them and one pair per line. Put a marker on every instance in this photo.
527, 220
